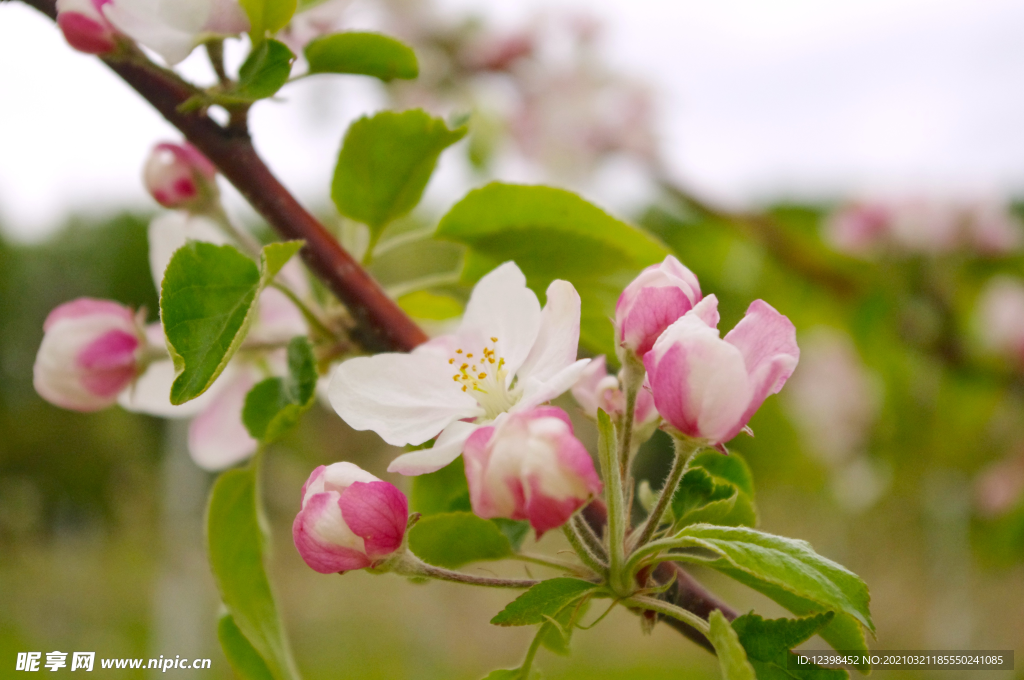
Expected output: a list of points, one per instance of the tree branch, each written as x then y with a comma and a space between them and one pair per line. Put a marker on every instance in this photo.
380, 324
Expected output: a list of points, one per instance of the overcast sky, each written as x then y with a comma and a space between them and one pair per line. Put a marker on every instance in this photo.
757, 99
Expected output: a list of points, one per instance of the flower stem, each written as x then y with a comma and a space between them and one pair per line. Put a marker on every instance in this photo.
632, 378
590, 539
413, 236
410, 565
585, 554
554, 564
445, 279
685, 448
618, 581
524, 670
308, 314
662, 607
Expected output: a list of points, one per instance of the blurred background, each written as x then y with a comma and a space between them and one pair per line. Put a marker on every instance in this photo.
856, 164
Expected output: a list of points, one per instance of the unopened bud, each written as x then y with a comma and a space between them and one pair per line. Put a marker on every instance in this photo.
84, 26
179, 177
90, 353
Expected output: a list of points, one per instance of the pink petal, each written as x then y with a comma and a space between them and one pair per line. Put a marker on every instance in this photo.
321, 556
83, 307
109, 363
378, 513
217, 438
767, 341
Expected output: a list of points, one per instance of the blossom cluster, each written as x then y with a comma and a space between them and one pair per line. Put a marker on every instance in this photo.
481, 392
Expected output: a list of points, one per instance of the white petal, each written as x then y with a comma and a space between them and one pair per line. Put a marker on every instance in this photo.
559, 336
141, 20
217, 439
447, 448
405, 398
536, 392
151, 393
502, 307
170, 231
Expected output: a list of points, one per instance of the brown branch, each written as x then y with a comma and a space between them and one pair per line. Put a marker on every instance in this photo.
380, 324
764, 230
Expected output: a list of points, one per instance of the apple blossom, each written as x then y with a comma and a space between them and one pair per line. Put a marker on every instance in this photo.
596, 389
529, 466
349, 519
708, 387
658, 296
173, 28
84, 26
506, 356
179, 176
91, 350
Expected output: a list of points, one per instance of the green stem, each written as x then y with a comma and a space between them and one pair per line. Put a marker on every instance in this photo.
632, 378
244, 239
667, 609
590, 539
446, 279
639, 557
583, 551
685, 448
553, 564
413, 236
524, 670
308, 314
618, 581
410, 565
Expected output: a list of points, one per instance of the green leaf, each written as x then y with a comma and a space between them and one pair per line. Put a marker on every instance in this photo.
768, 644
515, 531
731, 656
557, 638
731, 468
264, 72
207, 303
443, 491
274, 406
235, 545
702, 497
385, 163
359, 53
547, 598
246, 661
267, 16
423, 304
773, 563
455, 538
553, 234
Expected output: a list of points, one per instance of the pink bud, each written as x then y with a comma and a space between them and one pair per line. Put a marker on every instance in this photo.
529, 466
84, 26
597, 389
708, 387
658, 296
178, 176
90, 352
349, 519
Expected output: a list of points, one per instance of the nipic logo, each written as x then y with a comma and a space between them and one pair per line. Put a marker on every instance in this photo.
30, 661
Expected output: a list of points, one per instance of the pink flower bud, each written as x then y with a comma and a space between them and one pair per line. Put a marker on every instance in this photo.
84, 26
178, 176
658, 296
529, 466
349, 519
597, 389
90, 352
708, 387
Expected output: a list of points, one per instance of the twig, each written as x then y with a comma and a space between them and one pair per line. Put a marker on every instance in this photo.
380, 324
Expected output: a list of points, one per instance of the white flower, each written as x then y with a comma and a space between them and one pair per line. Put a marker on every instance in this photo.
507, 356
173, 28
